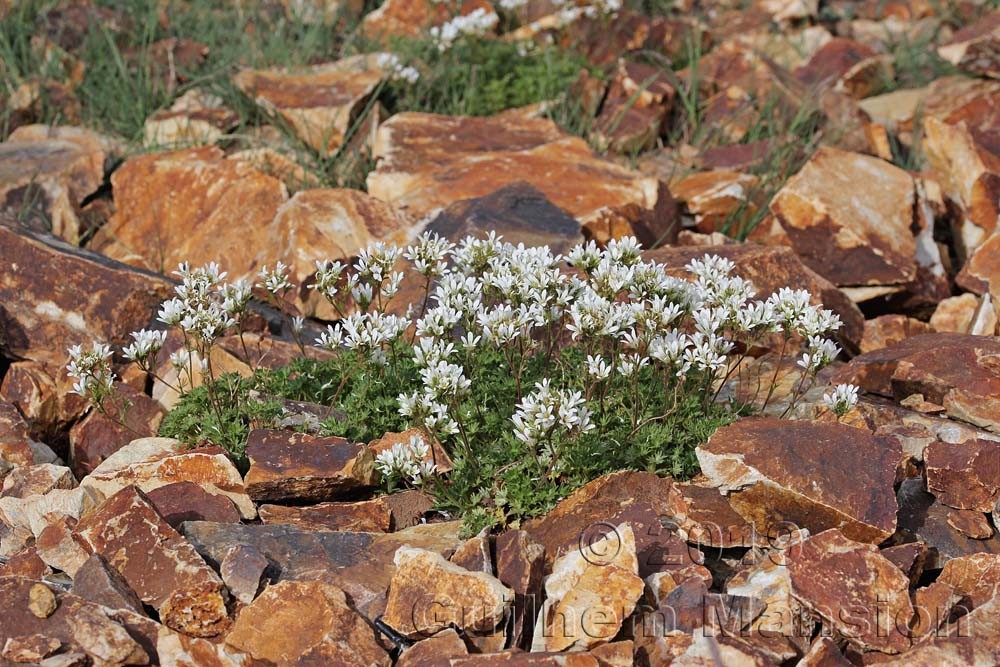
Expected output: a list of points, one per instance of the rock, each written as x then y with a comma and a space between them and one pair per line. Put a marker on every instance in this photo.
783, 472
718, 200
15, 442
635, 109
29, 648
190, 206
106, 642
831, 574
519, 212
241, 570
869, 226
974, 47
428, 593
427, 161
437, 454
359, 563
709, 521
38, 479
956, 371
705, 650
514, 659
321, 102
933, 606
196, 118
769, 269
975, 576
167, 647
150, 463
58, 548
590, 593
909, 558
969, 641
290, 466
294, 623
964, 476
41, 393
26, 563
435, 651
97, 436
186, 501
159, 564
847, 66
886, 330
97, 581
52, 170
41, 601
615, 654
520, 562
922, 518
823, 653
965, 313
475, 554
100, 300
321, 12
329, 224
36, 512
407, 18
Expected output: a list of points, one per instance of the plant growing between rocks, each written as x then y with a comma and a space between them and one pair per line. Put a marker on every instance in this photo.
535, 372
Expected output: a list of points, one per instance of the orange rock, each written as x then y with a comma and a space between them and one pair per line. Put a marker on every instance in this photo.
885, 330
407, 18
976, 576
718, 198
974, 47
847, 66
635, 108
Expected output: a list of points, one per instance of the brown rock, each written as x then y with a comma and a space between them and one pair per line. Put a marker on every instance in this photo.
843, 582
97, 436
293, 623
290, 466
407, 508
922, 518
520, 562
151, 463
406, 18
969, 641
435, 651
976, 576
974, 47
58, 547
328, 224
186, 501
909, 558
241, 570
704, 651
211, 205
41, 601
41, 393
30, 648
372, 516
514, 659
102, 639
718, 200
615, 654
428, 593
50, 170
437, 454
965, 313
475, 554
39, 479
15, 443
769, 269
835, 196
886, 330
823, 653
590, 593
782, 472
100, 300
196, 118
708, 520
427, 161
320, 103
847, 66
359, 563
98, 582
954, 370
518, 212
26, 563
964, 476
160, 565
933, 606
635, 108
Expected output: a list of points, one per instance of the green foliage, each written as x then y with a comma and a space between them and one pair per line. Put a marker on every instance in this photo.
479, 77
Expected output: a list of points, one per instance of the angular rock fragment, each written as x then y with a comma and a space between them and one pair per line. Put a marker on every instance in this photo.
427, 161
718, 200
195, 118
520, 562
15, 442
105, 641
187, 501
845, 583
97, 581
865, 205
305, 623
974, 47
965, 476
885, 330
434, 651
241, 570
29, 648
847, 66
290, 466
368, 516
635, 108
38, 479
971, 640
58, 547
778, 472
428, 593
151, 463
161, 566
97, 436
407, 18
976, 576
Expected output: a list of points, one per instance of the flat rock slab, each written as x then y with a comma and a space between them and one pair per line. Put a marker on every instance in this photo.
972, 640
366, 516
975, 47
976, 576
965, 475
427, 161
853, 589
56, 295
306, 623
769, 269
161, 566
792, 473
849, 218
359, 563
293, 466
959, 372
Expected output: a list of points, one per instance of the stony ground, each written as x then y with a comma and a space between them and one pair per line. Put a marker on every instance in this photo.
851, 148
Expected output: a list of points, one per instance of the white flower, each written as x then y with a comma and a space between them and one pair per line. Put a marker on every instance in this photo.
145, 345
92, 369
476, 23
842, 399
541, 411
598, 368
820, 352
406, 461
327, 278
275, 280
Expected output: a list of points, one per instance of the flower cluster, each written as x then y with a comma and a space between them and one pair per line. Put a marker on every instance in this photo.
397, 70
406, 462
546, 409
842, 399
476, 23
92, 370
